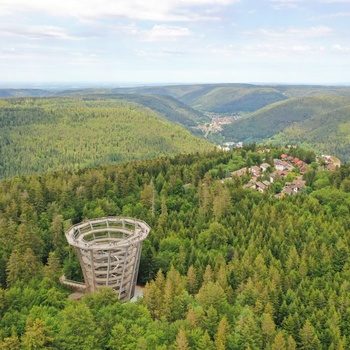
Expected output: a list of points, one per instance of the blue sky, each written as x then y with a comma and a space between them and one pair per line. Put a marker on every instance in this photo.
175, 41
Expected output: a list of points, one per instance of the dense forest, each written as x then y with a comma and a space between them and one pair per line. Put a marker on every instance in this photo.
314, 117
327, 132
224, 267
236, 98
48, 134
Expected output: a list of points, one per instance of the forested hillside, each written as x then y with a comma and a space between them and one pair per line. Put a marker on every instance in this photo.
259, 113
39, 135
219, 98
274, 118
326, 132
236, 98
226, 267
171, 108
24, 93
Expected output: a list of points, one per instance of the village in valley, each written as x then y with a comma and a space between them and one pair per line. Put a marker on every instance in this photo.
216, 123
287, 170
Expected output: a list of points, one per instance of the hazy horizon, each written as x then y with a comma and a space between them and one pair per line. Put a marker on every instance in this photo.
200, 41
107, 85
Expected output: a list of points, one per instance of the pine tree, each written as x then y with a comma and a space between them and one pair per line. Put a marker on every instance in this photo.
279, 343
53, 269
31, 265
308, 337
210, 321
181, 342
208, 275
191, 318
192, 280
221, 277
205, 343
291, 344
14, 268
154, 299
56, 230
268, 328
221, 334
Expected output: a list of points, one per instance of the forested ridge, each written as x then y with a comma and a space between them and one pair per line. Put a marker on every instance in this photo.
328, 132
171, 108
225, 267
39, 135
317, 122
311, 116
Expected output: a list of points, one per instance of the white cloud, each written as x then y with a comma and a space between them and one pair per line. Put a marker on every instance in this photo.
310, 32
332, 15
285, 4
341, 49
44, 32
166, 33
37, 32
335, 1
166, 10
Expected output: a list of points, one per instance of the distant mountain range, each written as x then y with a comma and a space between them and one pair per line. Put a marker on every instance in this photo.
314, 116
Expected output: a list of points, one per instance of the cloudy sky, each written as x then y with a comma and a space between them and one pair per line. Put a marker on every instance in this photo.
183, 41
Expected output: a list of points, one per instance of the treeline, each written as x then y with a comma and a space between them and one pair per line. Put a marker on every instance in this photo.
40, 135
225, 267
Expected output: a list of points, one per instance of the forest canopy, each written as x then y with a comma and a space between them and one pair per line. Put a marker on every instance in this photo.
224, 267
48, 134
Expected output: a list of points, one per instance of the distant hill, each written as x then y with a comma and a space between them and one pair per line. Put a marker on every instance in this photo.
171, 108
232, 100
265, 110
236, 98
292, 91
218, 98
48, 134
329, 133
4, 93
274, 118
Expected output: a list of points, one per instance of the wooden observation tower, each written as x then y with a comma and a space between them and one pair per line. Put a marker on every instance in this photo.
109, 252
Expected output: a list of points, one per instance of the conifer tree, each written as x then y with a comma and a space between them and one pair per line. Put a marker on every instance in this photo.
291, 344
268, 328
181, 342
279, 343
191, 318
308, 337
31, 265
53, 269
192, 280
221, 334
14, 268
205, 343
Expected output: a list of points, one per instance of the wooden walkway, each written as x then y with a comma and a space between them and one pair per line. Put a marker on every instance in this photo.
72, 284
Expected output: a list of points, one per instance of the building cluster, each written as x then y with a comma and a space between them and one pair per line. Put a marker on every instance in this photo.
294, 187
328, 162
261, 182
289, 163
227, 146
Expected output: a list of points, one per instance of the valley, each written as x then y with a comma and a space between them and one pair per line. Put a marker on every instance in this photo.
276, 114
248, 245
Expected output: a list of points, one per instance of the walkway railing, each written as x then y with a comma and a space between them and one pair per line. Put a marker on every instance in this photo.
72, 284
